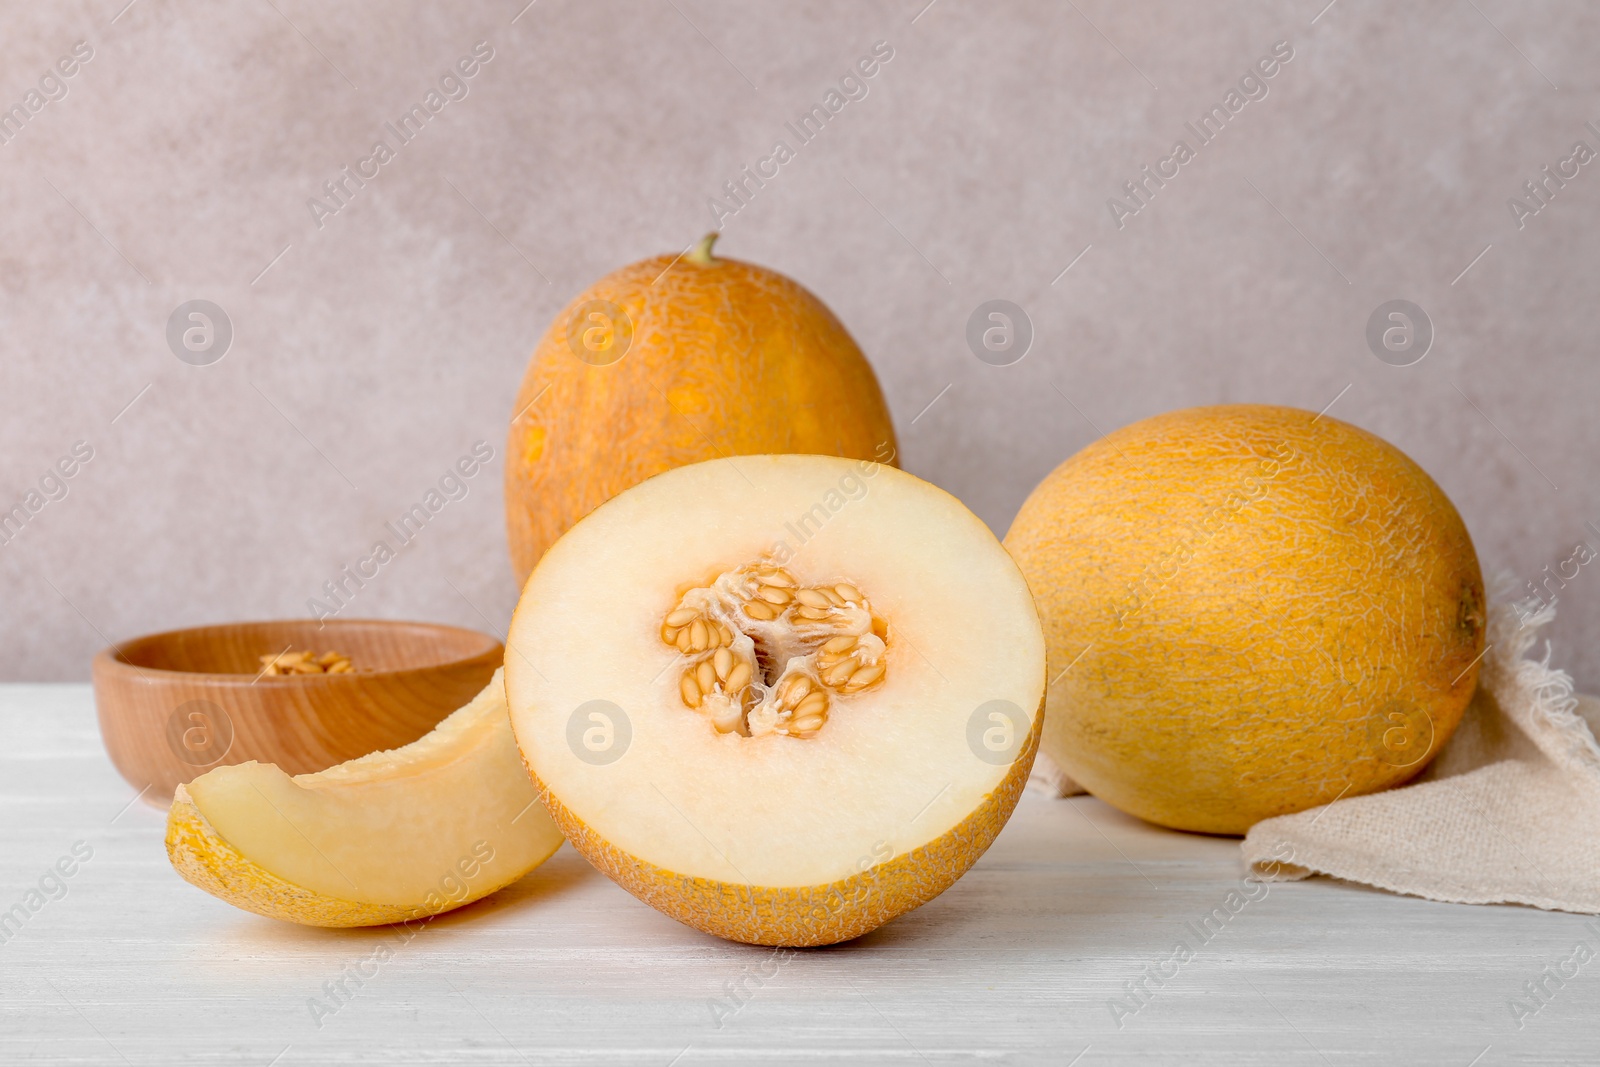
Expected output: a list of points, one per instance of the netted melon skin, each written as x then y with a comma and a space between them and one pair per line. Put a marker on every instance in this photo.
728, 358
1244, 607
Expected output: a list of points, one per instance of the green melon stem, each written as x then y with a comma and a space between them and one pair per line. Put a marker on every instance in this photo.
701, 253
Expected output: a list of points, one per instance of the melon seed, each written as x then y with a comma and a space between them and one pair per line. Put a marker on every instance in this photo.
820, 665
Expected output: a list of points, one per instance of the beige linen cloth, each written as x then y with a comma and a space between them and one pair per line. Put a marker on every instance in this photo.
1509, 811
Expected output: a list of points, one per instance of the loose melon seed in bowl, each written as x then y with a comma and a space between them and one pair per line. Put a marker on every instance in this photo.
305, 662
783, 699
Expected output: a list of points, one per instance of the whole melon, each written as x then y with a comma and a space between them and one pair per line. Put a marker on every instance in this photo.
1249, 611
674, 360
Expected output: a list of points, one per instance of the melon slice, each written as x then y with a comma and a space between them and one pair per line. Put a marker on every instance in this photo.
783, 699
389, 837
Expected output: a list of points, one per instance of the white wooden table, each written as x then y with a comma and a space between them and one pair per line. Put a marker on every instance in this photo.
1015, 964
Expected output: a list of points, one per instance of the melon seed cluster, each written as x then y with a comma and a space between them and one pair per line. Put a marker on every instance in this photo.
768, 655
306, 663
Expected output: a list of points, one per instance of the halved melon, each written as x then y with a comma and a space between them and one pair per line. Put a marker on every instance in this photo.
391, 836
783, 699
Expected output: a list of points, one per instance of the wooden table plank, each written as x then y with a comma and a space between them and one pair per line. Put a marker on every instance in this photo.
1018, 963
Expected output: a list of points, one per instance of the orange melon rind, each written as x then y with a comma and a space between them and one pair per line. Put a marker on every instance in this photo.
409, 832
208, 862
817, 915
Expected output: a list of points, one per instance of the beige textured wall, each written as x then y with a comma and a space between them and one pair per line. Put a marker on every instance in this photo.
371, 352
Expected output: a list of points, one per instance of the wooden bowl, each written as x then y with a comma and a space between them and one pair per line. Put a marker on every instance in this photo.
174, 705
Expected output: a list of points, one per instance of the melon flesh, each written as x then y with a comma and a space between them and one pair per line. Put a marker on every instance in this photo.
885, 804
414, 831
